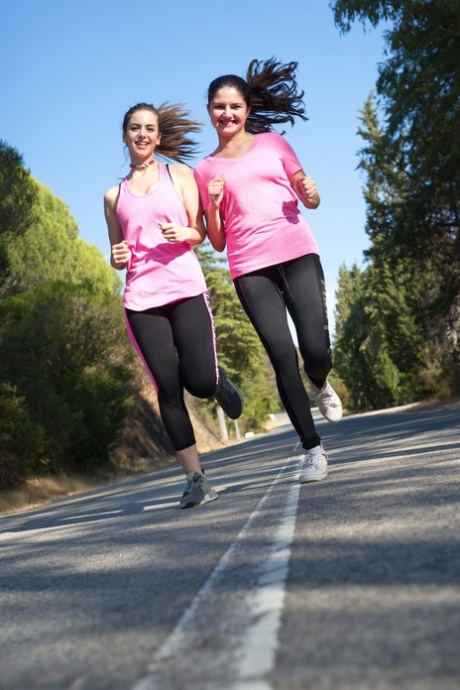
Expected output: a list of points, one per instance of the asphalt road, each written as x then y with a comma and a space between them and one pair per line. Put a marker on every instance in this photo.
352, 583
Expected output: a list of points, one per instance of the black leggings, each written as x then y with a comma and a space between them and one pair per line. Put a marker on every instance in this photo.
177, 344
299, 287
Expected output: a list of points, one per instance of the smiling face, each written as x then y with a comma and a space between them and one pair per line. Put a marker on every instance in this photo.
141, 135
228, 111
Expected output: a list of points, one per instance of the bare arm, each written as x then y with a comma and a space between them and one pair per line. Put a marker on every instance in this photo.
305, 188
195, 232
120, 253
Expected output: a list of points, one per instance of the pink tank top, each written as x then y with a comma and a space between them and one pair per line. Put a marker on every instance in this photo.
160, 272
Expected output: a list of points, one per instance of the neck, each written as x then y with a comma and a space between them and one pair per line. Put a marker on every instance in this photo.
235, 141
141, 166
235, 146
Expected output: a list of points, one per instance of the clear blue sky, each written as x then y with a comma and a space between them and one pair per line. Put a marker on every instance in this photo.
71, 69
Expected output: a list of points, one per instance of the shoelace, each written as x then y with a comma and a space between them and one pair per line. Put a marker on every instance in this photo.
196, 481
328, 398
225, 387
311, 460
225, 394
187, 489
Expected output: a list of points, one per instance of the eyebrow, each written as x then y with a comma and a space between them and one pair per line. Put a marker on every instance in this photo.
234, 103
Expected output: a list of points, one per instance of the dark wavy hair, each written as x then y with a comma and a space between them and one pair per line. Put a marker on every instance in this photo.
175, 127
270, 89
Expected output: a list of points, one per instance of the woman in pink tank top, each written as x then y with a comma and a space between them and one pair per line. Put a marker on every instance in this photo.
154, 218
250, 187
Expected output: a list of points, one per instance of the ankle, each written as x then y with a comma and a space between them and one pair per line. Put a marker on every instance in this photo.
316, 450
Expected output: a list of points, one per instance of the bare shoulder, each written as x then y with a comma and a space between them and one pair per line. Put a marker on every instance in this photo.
181, 171
111, 194
113, 191
182, 176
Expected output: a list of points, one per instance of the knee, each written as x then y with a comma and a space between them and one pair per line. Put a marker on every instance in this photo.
318, 364
201, 388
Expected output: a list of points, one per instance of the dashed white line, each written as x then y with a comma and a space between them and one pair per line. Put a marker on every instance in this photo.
251, 654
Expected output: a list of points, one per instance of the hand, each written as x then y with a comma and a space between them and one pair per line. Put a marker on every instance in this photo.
216, 190
307, 191
174, 233
121, 254
308, 186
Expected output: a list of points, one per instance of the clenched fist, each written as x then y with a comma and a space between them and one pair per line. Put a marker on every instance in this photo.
121, 255
216, 190
174, 233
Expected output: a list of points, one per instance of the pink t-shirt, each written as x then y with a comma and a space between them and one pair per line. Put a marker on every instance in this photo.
262, 220
160, 272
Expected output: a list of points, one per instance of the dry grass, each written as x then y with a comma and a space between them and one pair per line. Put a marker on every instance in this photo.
437, 404
40, 490
44, 490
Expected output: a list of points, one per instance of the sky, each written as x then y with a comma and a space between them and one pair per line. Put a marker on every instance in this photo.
72, 68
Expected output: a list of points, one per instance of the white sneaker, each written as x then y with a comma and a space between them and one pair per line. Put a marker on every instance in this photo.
328, 401
313, 466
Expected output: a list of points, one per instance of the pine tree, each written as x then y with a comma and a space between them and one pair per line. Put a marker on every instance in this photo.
17, 202
419, 95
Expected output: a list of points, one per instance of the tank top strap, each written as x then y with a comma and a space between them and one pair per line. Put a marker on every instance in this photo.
165, 173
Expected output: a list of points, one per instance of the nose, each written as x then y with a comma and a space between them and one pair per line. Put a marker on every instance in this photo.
228, 111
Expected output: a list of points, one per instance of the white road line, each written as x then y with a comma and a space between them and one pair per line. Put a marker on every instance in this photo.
252, 655
161, 506
259, 644
99, 514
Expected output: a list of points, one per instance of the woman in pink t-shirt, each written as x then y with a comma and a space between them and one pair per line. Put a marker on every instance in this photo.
250, 187
154, 219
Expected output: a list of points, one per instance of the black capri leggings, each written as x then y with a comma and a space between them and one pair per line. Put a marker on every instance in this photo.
177, 344
299, 287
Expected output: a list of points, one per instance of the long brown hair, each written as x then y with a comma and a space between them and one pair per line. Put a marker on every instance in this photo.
270, 89
175, 127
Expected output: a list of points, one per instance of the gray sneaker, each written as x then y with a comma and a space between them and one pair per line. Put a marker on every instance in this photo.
198, 492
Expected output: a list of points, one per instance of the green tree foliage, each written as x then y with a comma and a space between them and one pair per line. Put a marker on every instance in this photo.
22, 441
419, 91
51, 250
412, 163
379, 341
65, 352
17, 201
63, 347
384, 328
